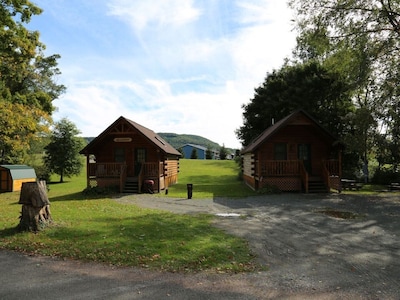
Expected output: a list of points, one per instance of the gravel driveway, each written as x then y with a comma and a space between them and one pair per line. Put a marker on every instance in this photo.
310, 255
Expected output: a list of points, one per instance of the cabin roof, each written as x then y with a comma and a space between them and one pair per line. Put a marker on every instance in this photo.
20, 171
273, 129
195, 146
154, 138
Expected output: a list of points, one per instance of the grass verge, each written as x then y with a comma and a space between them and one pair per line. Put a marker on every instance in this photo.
103, 230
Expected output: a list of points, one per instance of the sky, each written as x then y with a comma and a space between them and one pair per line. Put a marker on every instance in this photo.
178, 66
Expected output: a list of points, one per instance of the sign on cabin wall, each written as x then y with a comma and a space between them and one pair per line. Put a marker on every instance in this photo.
123, 140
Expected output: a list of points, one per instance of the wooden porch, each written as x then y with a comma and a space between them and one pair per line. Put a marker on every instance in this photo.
294, 172
115, 174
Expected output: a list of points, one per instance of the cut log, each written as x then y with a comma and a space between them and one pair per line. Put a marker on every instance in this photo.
35, 214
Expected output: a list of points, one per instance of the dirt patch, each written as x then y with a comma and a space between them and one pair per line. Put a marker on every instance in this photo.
340, 214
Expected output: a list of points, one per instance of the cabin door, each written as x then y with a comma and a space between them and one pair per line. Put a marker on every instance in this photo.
304, 154
139, 160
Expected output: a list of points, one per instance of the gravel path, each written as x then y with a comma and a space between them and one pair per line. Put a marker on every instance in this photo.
310, 255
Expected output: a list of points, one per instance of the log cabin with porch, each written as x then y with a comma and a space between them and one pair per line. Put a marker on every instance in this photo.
131, 158
294, 154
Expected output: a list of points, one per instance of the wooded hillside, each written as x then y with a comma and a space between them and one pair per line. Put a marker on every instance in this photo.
179, 140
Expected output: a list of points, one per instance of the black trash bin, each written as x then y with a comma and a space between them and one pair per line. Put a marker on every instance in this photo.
189, 190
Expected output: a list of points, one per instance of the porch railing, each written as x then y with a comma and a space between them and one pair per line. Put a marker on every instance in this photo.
330, 168
279, 168
325, 176
103, 170
282, 168
118, 171
153, 169
122, 178
303, 175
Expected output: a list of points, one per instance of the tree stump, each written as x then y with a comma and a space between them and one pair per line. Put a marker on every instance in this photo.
35, 214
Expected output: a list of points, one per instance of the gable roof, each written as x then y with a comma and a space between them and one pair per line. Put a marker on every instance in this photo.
266, 134
195, 146
20, 171
149, 134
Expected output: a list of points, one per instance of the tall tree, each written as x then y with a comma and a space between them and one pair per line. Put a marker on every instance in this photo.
308, 86
62, 153
223, 152
17, 127
209, 152
194, 155
362, 38
26, 78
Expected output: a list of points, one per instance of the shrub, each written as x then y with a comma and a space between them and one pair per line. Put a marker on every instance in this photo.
385, 176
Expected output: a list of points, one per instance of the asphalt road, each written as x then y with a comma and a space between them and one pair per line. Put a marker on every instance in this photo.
310, 255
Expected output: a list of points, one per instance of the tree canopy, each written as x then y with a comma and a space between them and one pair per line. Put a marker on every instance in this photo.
308, 86
359, 39
62, 153
27, 79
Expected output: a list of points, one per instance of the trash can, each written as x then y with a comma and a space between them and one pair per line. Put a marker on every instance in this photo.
189, 190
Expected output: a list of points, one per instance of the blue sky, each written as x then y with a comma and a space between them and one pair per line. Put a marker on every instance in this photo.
182, 66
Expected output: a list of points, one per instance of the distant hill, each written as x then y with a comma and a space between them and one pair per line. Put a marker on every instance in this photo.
179, 140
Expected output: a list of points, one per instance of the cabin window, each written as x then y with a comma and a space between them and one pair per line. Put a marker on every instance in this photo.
280, 151
141, 155
119, 155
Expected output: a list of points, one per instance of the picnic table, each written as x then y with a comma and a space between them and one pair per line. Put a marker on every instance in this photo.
394, 186
350, 184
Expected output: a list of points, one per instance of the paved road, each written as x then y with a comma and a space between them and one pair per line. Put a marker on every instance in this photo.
310, 255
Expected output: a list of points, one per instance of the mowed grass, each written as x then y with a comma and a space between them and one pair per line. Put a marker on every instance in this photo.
210, 178
103, 230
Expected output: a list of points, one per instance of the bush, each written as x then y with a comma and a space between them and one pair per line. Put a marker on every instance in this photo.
42, 173
385, 176
269, 189
95, 191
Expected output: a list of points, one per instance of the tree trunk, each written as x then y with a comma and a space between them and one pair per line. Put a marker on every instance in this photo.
35, 214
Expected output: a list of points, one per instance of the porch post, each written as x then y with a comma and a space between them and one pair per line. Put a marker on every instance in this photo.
340, 164
257, 161
87, 171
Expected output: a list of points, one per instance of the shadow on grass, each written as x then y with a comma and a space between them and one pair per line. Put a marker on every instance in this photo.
157, 240
7, 232
78, 196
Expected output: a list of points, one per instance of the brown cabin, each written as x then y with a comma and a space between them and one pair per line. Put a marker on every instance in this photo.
131, 157
294, 154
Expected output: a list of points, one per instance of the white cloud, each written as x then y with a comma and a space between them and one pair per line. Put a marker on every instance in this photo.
158, 13
179, 75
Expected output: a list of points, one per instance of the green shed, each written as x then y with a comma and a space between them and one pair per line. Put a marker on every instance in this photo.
12, 177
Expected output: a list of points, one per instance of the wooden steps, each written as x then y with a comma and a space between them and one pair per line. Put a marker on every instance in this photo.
131, 186
316, 185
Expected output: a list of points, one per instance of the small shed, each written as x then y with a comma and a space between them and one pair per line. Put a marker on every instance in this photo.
12, 177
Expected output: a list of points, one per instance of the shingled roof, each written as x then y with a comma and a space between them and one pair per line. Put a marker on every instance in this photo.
270, 131
146, 132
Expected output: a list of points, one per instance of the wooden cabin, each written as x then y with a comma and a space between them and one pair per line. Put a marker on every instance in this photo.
294, 154
12, 177
131, 157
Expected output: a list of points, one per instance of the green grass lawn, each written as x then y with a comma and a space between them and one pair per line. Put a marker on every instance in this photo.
210, 178
103, 230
